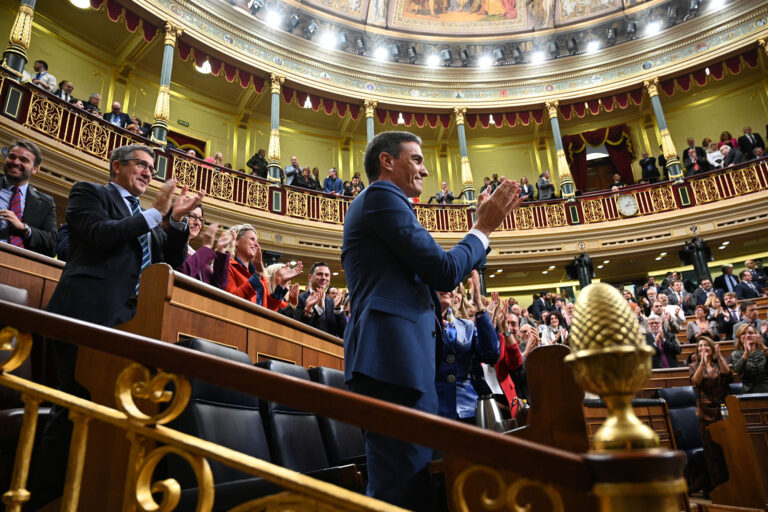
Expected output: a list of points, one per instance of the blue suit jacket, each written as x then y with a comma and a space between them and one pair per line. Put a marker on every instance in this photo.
393, 265
744, 292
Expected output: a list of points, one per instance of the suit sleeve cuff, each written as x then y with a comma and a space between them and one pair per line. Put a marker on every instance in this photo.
181, 226
479, 234
153, 217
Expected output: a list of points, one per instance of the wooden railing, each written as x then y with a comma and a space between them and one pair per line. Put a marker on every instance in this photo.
46, 114
508, 465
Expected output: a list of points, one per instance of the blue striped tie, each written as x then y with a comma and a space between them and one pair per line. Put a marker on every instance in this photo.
15, 207
146, 257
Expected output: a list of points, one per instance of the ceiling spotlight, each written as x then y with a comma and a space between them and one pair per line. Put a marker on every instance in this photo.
492, 276
433, 60
553, 49
631, 29
652, 28
610, 36
360, 46
464, 57
499, 271
593, 46
599, 266
335, 273
517, 55
725, 243
273, 18
499, 56
205, 68
447, 57
327, 40
545, 271
255, 5
537, 58
662, 254
491, 120
400, 119
310, 30
572, 46
658, 258
394, 51
551, 267
343, 38
81, 4
605, 262
485, 61
380, 53
412, 54
293, 22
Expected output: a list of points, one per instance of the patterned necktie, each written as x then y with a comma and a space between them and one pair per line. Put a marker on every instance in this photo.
15, 207
146, 258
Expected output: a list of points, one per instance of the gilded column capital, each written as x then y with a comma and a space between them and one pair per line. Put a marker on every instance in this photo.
652, 86
370, 107
276, 81
764, 44
459, 112
172, 33
551, 107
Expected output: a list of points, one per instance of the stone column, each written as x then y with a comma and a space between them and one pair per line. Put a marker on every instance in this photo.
567, 189
273, 153
466, 170
674, 170
370, 111
162, 106
15, 56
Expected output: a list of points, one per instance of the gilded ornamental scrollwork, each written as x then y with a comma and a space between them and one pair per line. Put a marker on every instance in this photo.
556, 215
169, 489
329, 209
593, 210
185, 172
427, 218
662, 199
524, 218
745, 181
498, 493
17, 344
93, 139
457, 220
222, 186
44, 115
136, 381
257, 195
296, 204
705, 190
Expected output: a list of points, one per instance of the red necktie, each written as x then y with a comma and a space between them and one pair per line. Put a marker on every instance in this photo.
15, 207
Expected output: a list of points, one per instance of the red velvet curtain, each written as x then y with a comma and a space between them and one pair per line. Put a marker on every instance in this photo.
617, 142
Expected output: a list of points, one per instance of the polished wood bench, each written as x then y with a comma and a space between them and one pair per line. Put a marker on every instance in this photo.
652, 412
744, 439
34, 272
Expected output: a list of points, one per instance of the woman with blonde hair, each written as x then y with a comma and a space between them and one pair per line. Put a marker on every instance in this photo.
275, 274
750, 359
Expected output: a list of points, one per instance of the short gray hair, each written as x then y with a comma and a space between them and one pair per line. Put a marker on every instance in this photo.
125, 152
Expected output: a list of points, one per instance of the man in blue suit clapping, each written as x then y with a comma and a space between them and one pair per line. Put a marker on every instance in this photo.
393, 268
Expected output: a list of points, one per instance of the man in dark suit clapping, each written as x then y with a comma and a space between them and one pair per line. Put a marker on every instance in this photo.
749, 141
317, 309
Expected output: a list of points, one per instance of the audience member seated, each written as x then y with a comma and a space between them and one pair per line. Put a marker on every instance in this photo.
43, 78
701, 326
555, 331
526, 189
665, 345
133, 128
731, 156
204, 264
117, 117
315, 308
695, 163
759, 276
333, 184
93, 104
746, 289
617, 181
292, 171
749, 312
246, 271
700, 153
444, 196
305, 180
353, 188
65, 91
545, 187
726, 139
710, 376
144, 131
280, 274
258, 164
749, 141
27, 216
714, 156
749, 360
465, 346
650, 172
757, 154
727, 281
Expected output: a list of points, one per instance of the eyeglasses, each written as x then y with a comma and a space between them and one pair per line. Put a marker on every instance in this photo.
198, 218
141, 164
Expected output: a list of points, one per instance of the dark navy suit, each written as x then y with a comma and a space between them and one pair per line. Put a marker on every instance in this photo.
393, 267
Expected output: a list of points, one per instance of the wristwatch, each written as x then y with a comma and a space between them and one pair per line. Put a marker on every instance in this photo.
27, 231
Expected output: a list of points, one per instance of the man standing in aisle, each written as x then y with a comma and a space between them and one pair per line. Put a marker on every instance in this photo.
393, 268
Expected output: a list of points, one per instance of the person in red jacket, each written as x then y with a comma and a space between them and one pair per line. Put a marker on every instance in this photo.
246, 271
510, 358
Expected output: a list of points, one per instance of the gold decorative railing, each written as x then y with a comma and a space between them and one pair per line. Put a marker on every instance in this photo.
48, 115
485, 470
